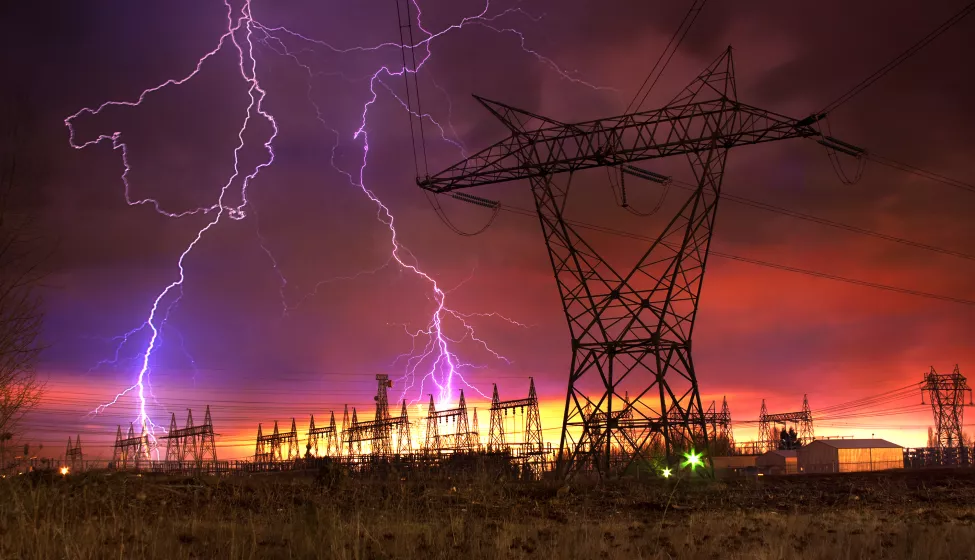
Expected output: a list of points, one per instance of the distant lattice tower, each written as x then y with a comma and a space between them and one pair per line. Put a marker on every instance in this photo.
74, 459
333, 443
766, 431
316, 434
350, 435
431, 442
117, 451
132, 446
276, 454
345, 428
404, 443
725, 432
801, 421
806, 432
174, 445
191, 444
475, 432
496, 430
261, 452
462, 429
947, 392
533, 423
208, 444
382, 444
710, 423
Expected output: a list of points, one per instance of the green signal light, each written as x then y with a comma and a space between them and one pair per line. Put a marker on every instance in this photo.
693, 460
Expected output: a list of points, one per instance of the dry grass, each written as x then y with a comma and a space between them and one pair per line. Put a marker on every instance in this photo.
907, 515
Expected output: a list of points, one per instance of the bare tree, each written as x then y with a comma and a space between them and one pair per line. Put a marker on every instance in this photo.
21, 314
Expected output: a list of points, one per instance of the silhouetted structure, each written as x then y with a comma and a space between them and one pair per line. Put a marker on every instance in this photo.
131, 448
277, 447
770, 426
458, 436
191, 442
74, 459
947, 393
630, 328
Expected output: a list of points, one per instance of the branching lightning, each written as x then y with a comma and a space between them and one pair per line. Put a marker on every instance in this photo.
431, 358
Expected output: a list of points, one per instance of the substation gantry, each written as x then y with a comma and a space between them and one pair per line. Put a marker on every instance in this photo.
631, 327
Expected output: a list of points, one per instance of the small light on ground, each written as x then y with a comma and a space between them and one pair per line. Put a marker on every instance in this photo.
64, 470
693, 460
666, 473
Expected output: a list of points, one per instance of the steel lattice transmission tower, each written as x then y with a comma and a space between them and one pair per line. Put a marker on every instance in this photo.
769, 425
195, 442
631, 327
136, 447
74, 458
948, 392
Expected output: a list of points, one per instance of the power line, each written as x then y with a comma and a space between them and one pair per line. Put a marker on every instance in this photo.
839, 225
817, 274
679, 34
872, 78
913, 170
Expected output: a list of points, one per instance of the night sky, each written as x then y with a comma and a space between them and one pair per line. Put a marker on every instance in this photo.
311, 242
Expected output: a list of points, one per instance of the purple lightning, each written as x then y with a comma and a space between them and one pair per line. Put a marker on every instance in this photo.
243, 24
432, 360
435, 361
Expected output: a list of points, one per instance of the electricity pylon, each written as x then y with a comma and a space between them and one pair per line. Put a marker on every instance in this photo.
948, 392
631, 328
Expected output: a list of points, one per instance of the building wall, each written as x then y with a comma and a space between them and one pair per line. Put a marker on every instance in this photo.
871, 459
771, 460
818, 457
734, 461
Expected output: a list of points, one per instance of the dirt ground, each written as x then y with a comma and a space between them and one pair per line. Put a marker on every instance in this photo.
900, 514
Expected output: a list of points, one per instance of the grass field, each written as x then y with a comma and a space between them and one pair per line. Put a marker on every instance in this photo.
918, 514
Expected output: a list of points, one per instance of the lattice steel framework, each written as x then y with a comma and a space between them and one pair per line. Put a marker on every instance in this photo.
379, 431
532, 425
947, 393
726, 434
459, 437
74, 458
191, 442
134, 447
770, 425
329, 433
277, 447
631, 328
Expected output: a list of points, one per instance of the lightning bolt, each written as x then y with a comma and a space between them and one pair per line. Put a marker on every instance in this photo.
430, 360
239, 32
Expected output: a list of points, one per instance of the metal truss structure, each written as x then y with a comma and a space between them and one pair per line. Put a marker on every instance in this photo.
720, 435
947, 393
379, 432
191, 443
329, 433
277, 446
134, 448
74, 459
530, 427
529, 452
631, 328
770, 426
459, 437
725, 434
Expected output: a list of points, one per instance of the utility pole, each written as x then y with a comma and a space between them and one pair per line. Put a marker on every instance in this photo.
631, 328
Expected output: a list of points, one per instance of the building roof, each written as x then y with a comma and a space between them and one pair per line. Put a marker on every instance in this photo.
857, 443
782, 452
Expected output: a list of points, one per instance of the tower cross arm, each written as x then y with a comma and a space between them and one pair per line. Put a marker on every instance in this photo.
554, 147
